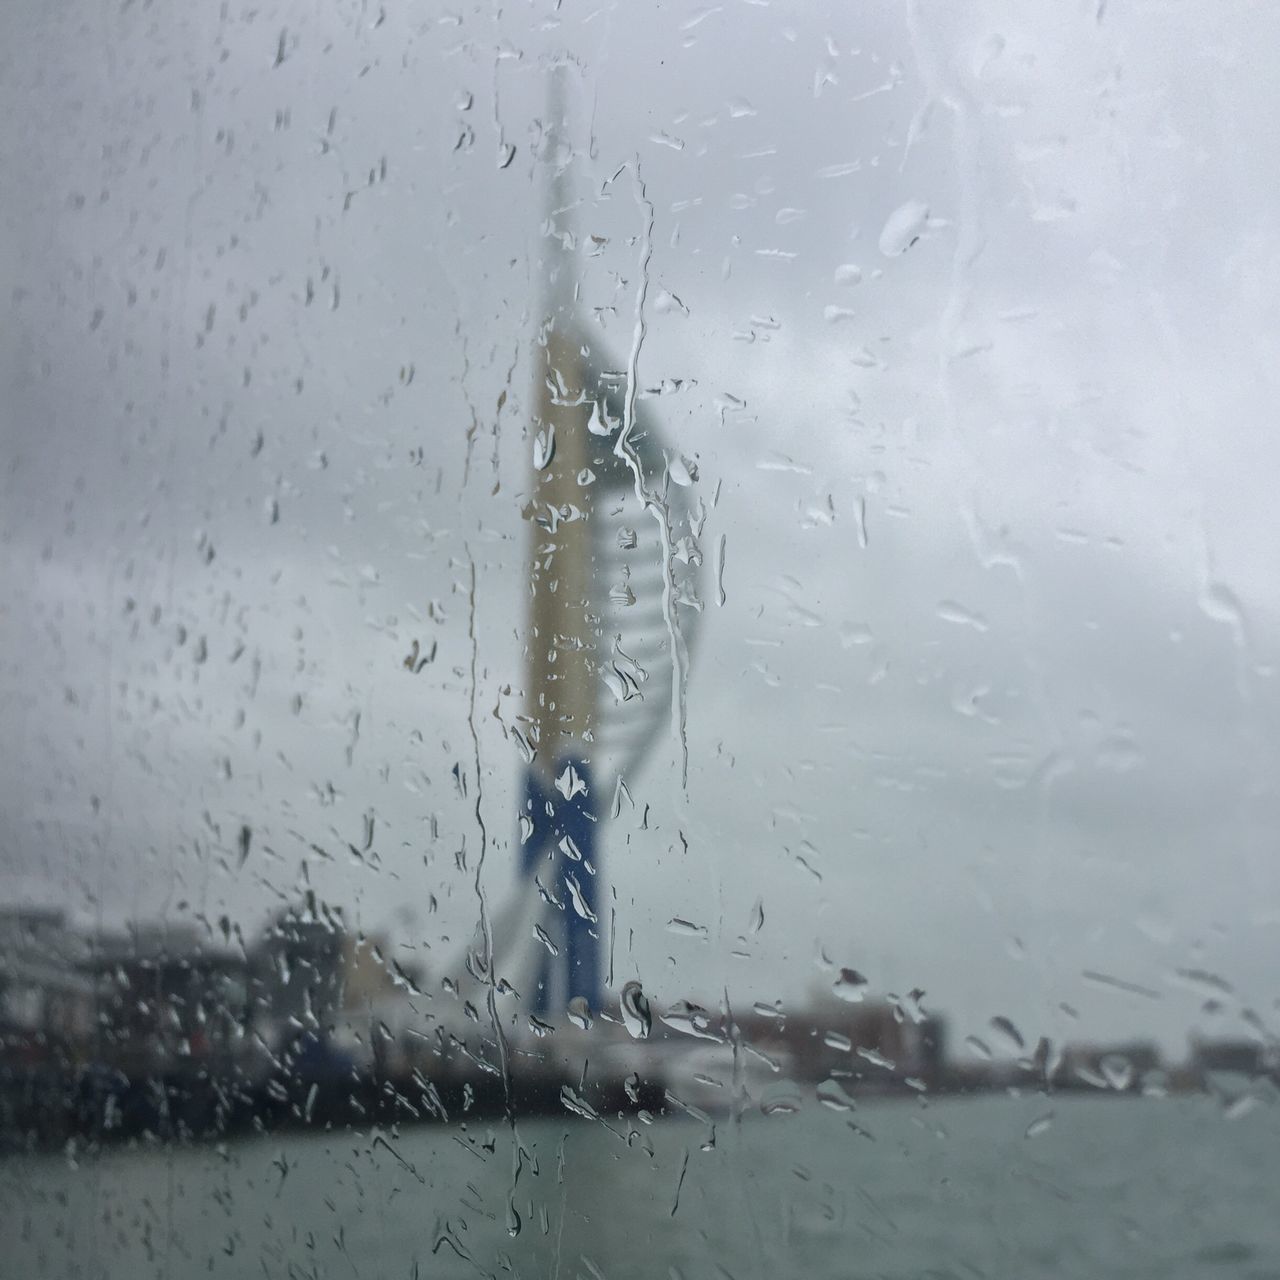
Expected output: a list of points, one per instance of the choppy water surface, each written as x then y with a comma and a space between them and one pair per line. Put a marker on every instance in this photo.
989, 1187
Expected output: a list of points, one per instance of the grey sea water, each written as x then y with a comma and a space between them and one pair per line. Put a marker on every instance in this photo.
989, 1187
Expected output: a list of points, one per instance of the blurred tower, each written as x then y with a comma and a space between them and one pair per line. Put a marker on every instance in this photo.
560, 814
603, 641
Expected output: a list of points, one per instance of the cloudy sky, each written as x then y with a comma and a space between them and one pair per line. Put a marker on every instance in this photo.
972, 312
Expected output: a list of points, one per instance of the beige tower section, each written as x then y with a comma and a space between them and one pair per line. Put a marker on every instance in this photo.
561, 632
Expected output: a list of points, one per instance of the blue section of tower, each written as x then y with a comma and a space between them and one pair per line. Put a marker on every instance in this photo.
561, 851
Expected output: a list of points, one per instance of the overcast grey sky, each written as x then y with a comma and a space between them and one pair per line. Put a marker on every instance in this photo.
991, 700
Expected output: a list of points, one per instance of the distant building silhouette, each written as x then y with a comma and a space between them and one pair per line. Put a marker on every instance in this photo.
297, 975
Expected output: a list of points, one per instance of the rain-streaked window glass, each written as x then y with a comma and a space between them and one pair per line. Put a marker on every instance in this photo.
639, 640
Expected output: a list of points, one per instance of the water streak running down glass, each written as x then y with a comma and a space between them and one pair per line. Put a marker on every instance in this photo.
638, 640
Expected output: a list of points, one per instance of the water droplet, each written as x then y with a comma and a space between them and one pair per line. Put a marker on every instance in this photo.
950, 611
544, 448
1117, 1071
781, 1098
636, 1015
850, 986
903, 228
1205, 982
598, 424
683, 471
1039, 1125
579, 901
1239, 1107
580, 1013
691, 1020
875, 1057
686, 928
667, 302
831, 1093
1009, 1031
688, 552
571, 1101
570, 783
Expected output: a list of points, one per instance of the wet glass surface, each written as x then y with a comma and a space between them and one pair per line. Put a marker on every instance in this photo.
638, 640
